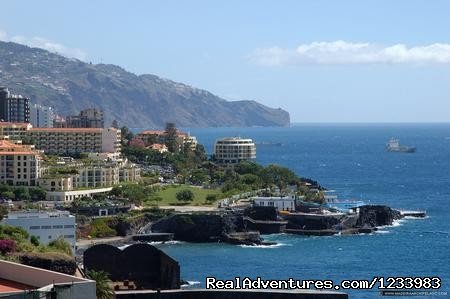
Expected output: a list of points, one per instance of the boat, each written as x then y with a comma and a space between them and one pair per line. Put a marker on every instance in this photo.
393, 145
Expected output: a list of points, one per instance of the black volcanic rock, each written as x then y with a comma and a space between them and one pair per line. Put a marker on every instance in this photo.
70, 85
376, 215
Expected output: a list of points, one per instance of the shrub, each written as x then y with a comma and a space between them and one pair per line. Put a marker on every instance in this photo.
210, 198
7, 246
61, 245
34, 240
185, 195
53, 261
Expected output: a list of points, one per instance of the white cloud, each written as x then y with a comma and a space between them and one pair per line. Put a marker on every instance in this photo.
43, 43
342, 52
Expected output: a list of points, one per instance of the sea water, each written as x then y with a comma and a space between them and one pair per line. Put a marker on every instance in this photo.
352, 160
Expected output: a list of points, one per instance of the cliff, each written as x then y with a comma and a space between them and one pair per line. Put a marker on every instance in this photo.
70, 85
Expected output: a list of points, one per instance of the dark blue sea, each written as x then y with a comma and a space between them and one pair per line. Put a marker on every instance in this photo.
352, 160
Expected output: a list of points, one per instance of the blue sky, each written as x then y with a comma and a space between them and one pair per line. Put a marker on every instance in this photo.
323, 61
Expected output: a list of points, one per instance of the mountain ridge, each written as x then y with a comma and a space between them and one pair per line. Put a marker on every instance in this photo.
145, 100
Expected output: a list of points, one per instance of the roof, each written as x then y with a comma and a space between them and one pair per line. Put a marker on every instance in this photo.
7, 124
84, 130
10, 148
152, 132
7, 286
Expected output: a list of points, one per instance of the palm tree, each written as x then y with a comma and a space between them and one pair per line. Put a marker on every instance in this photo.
103, 289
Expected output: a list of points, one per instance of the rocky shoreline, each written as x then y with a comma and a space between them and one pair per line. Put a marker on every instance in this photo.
245, 226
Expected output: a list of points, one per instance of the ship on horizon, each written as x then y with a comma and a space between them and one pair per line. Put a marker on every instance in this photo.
393, 145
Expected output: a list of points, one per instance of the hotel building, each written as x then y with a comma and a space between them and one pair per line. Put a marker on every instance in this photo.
19, 164
15, 131
231, 150
62, 141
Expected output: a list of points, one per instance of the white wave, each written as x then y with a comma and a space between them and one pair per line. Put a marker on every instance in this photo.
166, 242
415, 218
382, 232
265, 246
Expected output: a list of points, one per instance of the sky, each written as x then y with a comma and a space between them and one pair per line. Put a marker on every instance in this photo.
323, 61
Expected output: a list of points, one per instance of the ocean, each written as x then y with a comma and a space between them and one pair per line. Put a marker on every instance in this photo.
351, 159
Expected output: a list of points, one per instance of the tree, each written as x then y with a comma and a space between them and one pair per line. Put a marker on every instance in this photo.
127, 135
278, 176
103, 289
3, 212
171, 138
37, 194
185, 195
115, 124
21, 193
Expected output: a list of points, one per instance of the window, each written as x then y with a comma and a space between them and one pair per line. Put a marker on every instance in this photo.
69, 226
57, 226
46, 226
35, 227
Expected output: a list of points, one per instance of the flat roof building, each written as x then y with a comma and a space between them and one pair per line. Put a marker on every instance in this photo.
46, 226
76, 140
13, 108
232, 150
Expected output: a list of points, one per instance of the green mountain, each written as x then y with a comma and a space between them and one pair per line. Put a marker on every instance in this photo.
70, 85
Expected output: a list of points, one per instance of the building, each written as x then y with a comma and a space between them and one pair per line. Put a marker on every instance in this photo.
46, 226
21, 281
156, 137
71, 141
160, 148
41, 116
88, 118
13, 108
231, 150
19, 164
14, 131
286, 203
90, 179
69, 196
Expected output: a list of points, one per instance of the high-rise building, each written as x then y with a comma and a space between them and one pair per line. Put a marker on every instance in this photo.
14, 108
41, 116
88, 118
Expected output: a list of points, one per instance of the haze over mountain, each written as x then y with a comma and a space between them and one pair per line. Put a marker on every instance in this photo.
70, 85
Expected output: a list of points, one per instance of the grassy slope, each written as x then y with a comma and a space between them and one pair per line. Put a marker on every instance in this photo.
168, 196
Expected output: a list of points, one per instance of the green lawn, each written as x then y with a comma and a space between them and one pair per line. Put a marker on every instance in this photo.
168, 195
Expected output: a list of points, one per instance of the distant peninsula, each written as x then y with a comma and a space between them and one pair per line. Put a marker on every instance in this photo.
149, 101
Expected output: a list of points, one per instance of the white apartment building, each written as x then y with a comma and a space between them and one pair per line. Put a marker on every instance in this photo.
46, 226
76, 140
231, 150
19, 164
41, 116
